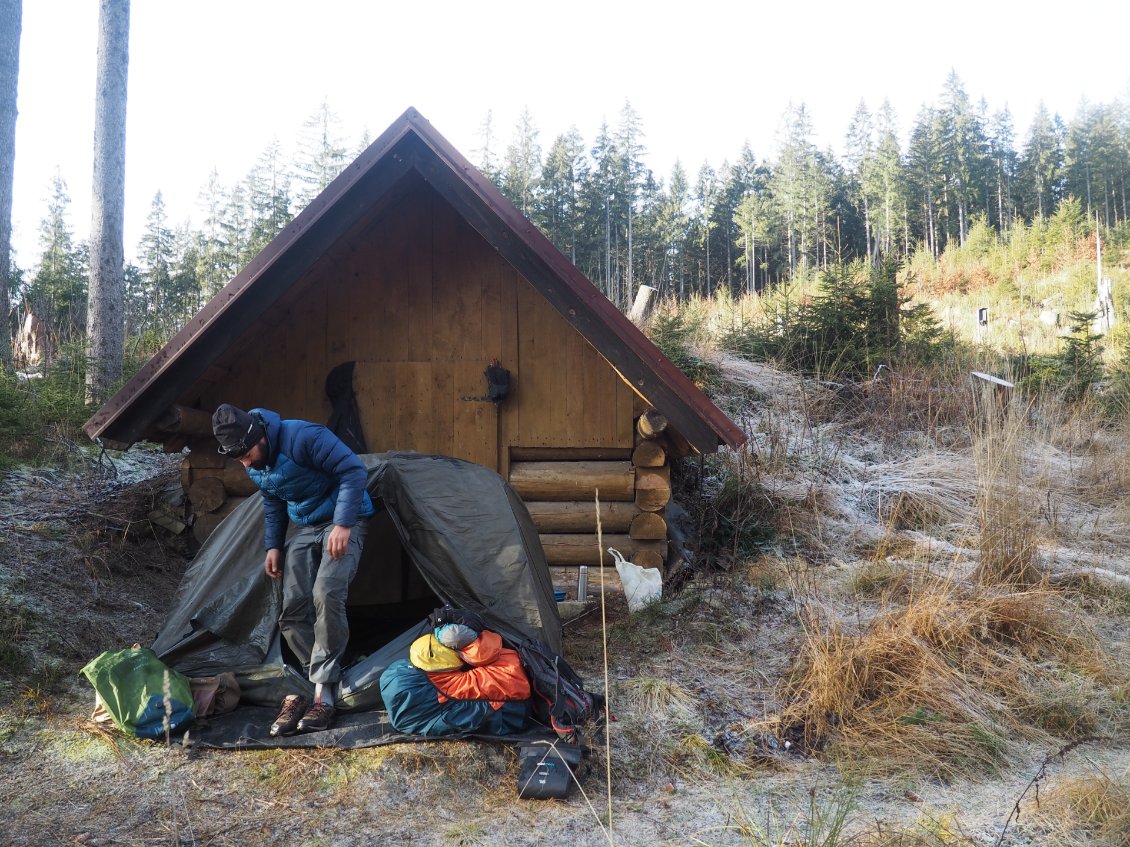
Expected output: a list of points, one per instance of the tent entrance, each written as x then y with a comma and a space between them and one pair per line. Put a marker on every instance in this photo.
388, 595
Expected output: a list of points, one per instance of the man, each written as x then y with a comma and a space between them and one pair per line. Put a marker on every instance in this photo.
307, 475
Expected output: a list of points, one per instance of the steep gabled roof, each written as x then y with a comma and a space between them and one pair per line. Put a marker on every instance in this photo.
409, 145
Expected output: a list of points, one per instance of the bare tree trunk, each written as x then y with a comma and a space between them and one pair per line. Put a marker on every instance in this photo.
105, 312
11, 17
867, 225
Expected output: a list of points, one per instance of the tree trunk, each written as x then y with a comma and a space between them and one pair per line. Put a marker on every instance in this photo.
105, 310
11, 16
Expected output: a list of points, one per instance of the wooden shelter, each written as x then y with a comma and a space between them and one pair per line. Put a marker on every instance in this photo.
414, 267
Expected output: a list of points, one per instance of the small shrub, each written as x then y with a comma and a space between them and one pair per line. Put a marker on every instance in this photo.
1074, 371
858, 319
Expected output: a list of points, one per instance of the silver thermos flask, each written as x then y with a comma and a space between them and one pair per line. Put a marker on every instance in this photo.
583, 583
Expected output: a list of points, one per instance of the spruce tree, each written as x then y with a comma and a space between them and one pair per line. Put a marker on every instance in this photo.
57, 293
321, 155
522, 169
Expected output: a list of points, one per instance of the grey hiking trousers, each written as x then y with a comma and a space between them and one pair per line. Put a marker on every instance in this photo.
315, 590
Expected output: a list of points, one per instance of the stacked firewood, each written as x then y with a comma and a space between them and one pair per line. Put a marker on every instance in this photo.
214, 486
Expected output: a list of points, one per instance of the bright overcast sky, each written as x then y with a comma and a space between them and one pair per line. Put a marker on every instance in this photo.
212, 82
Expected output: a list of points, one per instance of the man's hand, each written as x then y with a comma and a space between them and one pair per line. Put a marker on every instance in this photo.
338, 542
273, 565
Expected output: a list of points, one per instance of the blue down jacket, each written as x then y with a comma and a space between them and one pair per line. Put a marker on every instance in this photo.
311, 478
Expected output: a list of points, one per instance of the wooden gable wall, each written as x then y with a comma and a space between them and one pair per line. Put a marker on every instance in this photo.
422, 303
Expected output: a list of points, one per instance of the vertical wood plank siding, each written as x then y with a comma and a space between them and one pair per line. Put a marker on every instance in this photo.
422, 303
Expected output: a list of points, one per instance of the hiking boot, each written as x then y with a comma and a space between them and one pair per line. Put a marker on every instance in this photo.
290, 716
317, 717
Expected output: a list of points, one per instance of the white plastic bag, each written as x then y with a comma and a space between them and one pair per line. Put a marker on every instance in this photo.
642, 586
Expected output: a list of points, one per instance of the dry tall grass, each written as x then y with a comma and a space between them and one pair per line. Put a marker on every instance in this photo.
1087, 810
945, 684
1006, 508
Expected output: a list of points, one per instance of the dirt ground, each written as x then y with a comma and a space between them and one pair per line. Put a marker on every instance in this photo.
83, 570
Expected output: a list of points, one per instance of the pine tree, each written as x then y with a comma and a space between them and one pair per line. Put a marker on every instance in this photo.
558, 206
597, 196
674, 224
236, 227
1002, 149
704, 222
268, 196
800, 188
213, 266
631, 175
962, 148
485, 155
889, 176
926, 177
155, 310
859, 153
1096, 161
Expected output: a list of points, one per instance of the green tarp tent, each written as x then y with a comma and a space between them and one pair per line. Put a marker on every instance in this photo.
446, 531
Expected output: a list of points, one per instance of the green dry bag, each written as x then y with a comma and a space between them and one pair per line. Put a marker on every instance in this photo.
139, 691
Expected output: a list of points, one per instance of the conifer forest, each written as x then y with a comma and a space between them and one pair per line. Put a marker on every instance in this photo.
742, 225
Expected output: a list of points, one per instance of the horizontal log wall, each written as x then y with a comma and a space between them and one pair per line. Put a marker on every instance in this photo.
581, 516
561, 490
573, 480
576, 548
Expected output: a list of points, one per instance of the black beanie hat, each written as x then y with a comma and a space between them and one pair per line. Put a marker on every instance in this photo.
235, 430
